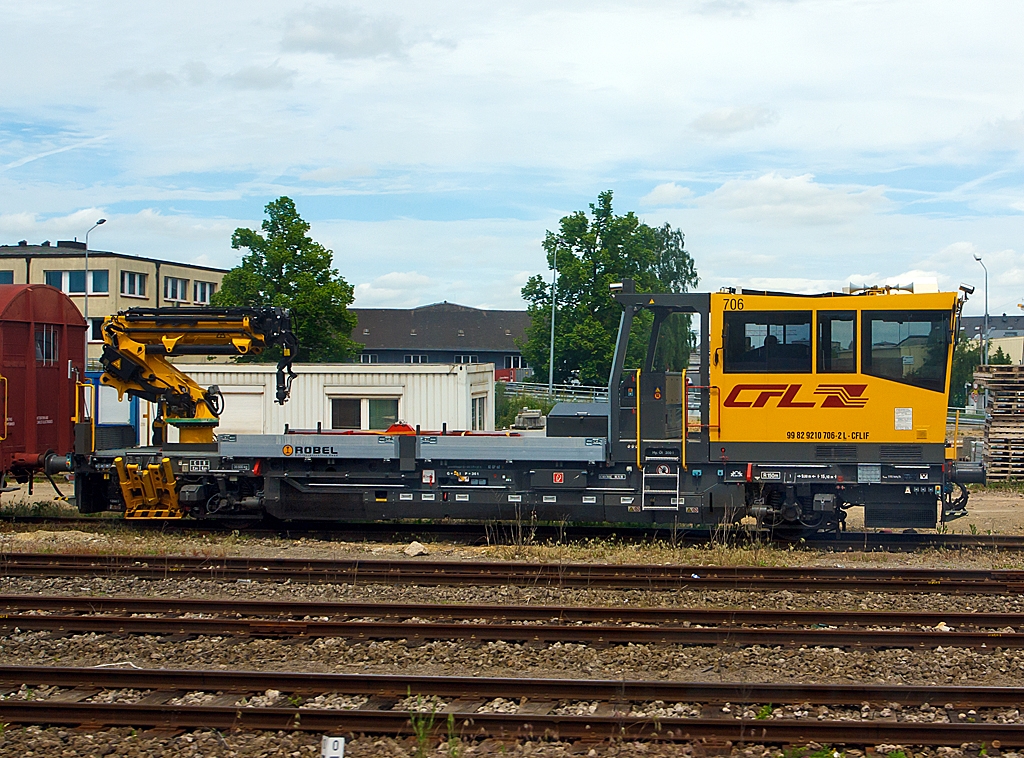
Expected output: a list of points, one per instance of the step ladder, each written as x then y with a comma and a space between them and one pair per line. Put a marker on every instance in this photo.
660, 476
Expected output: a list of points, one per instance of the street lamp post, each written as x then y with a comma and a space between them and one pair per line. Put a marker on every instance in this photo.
551, 353
85, 310
984, 333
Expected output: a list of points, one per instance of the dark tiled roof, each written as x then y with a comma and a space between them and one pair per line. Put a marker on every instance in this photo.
43, 251
995, 321
441, 326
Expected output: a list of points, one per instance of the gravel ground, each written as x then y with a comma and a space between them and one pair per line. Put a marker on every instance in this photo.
33, 742
673, 662
748, 664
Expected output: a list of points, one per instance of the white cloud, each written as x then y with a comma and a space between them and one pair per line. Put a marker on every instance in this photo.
723, 121
344, 33
329, 174
261, 77
46, 153
667, 194
130, 79
537, 108
774, 198
148, 232
197, 73
396, 289
801, 286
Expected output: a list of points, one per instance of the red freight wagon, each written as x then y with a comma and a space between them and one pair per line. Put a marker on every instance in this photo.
42, 344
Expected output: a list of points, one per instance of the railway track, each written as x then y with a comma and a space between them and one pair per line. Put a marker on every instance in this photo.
499, 533
380, 704
589, 575
531, 624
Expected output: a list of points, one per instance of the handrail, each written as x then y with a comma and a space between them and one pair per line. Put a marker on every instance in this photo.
639, 466
3, 435
78, 417
711, 388
568, 392
685, 424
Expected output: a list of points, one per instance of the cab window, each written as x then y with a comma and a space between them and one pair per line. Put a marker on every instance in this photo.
837, 342
765, 342
910, 347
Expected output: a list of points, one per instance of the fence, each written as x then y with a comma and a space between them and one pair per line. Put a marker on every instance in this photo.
970, 418
567, 393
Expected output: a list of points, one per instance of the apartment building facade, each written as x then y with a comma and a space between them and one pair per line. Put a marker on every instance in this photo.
116, 281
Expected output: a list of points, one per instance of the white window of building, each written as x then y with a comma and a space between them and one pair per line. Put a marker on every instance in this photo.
6, 277
95, 329
479, 414
513, 361
378, 413
467, 359
416, 359
346, 413
73, 282
133, 284
202, 292
368, 358
175, 289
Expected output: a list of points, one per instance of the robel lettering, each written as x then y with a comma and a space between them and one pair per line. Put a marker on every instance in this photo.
789, 396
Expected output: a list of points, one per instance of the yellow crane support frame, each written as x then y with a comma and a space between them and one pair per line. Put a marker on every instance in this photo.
137, 347
139, 342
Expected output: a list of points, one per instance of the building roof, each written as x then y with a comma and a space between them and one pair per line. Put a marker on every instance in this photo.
75, 249
998, 325
441, 326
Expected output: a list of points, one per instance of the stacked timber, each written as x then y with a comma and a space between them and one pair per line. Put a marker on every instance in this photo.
1004, 421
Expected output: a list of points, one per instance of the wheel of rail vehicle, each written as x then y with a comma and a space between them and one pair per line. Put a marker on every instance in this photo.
793, 517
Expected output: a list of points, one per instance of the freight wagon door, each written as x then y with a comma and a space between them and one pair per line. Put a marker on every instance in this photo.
15, 337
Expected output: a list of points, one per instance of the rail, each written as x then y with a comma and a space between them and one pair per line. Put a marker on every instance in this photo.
568, 614
368, 621
447, 573
623, 715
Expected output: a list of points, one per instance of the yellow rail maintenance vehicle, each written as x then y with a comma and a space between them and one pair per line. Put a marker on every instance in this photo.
809, 405
790, 409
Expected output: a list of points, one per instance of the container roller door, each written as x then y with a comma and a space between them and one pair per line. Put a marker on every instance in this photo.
243, 411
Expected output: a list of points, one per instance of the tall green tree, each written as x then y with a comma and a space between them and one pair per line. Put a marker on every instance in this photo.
285, 267
591, 251
966, 358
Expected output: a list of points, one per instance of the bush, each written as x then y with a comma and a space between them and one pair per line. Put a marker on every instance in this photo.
506, 406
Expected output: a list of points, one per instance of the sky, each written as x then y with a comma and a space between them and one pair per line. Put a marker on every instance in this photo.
800, 145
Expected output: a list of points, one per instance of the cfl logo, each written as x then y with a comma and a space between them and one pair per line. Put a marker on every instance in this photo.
789, 396
842, 395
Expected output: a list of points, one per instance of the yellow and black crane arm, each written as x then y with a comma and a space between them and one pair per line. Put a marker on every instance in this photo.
138, 342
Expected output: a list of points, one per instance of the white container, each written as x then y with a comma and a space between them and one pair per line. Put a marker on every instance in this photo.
430, 395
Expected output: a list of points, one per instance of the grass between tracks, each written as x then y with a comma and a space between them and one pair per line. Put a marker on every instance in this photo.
112, 538
516, 542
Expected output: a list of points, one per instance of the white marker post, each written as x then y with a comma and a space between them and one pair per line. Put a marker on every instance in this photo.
332, 747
